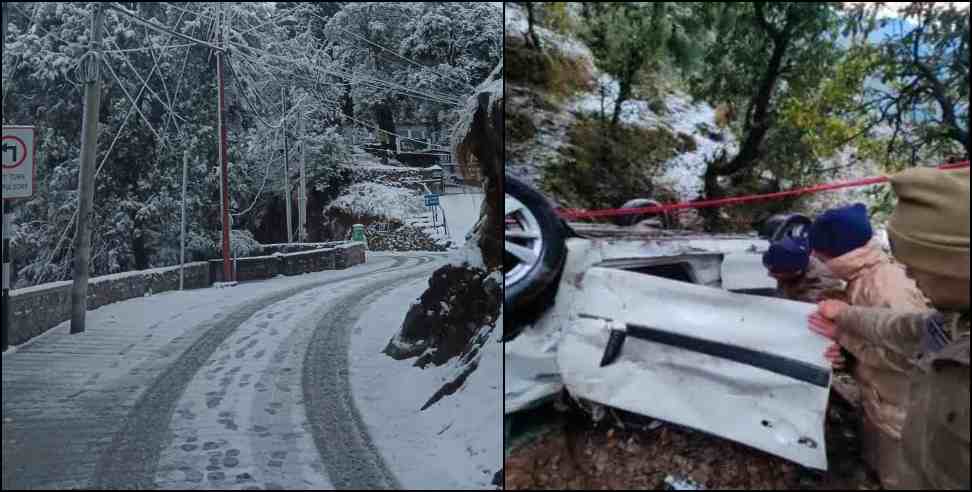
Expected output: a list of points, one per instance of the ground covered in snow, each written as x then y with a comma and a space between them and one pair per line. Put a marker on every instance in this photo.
455, 443
204, 389
462, 212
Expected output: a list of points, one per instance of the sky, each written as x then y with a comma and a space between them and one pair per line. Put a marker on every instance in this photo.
891, 8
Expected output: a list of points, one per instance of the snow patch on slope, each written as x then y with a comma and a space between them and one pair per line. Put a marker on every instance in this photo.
454, 444
694, 119
516, 25
697, 120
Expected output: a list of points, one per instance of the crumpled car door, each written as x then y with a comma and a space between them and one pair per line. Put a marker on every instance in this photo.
744, 368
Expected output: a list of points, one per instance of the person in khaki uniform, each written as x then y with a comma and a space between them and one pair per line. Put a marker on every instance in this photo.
843, 239
799, 276
930, 234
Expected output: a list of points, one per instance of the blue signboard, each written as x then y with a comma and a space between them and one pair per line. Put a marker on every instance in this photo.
432, 200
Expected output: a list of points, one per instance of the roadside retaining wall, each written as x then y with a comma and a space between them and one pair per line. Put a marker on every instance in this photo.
35, 310
338, 257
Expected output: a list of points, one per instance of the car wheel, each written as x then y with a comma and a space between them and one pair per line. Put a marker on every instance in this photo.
535, 247
665, 220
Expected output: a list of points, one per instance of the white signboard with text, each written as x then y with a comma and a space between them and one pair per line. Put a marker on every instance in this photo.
18, 161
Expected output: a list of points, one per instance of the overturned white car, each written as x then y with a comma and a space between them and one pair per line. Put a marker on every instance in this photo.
678, 327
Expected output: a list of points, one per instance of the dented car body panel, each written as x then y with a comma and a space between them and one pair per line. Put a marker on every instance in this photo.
766, 407
616, 280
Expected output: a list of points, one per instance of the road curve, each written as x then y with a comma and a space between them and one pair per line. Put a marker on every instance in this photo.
341, 436
132, 459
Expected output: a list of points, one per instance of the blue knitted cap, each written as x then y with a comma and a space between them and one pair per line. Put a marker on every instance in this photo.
788, 255
841, 230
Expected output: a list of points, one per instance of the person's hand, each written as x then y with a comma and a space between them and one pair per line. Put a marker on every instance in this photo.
835, 354
823, 322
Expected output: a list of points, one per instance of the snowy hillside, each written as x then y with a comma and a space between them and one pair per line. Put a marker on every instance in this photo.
690, 120
681, 115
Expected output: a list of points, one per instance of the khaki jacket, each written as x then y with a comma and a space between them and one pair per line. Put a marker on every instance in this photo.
818, 284
935, 438
874, 280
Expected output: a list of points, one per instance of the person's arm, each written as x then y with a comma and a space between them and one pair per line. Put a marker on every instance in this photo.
871, 354
897, 332
870, 331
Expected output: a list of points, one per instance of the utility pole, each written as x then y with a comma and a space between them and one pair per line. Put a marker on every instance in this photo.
287, 190
223, 158
182, 228
89, 150
303, 178
5, 317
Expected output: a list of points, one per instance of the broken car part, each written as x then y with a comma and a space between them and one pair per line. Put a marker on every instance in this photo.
688, 380
783, 366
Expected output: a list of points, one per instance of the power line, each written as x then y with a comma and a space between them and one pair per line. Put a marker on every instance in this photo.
352, 78
263, 185
132, 101
158, 28
167, 106
199, 14
377, 83
392, 52
150, 48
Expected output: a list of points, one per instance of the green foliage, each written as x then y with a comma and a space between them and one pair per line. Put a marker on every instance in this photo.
924, 73
605, 166
737, 62
629, 39
825, 119
519, 127
560, 76
557, 18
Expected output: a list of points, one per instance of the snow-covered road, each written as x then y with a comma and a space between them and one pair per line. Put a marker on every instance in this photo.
209, 389
462, 213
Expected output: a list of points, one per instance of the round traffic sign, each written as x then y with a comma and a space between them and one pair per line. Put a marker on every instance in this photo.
18, 150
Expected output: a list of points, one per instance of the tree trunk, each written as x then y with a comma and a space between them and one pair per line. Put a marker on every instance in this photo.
624, 92
315, 217
945, 103
385, 113
532, 39
757, 126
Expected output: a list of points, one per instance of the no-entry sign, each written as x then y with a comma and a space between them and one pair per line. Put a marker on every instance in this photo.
17, 149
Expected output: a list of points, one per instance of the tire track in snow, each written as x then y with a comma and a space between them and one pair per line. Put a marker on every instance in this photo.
132, 459
343, 441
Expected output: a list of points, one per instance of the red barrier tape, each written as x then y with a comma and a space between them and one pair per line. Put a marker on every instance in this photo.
593, 214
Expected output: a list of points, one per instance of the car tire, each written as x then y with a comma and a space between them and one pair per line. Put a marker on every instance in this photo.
666, 220
532, 265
